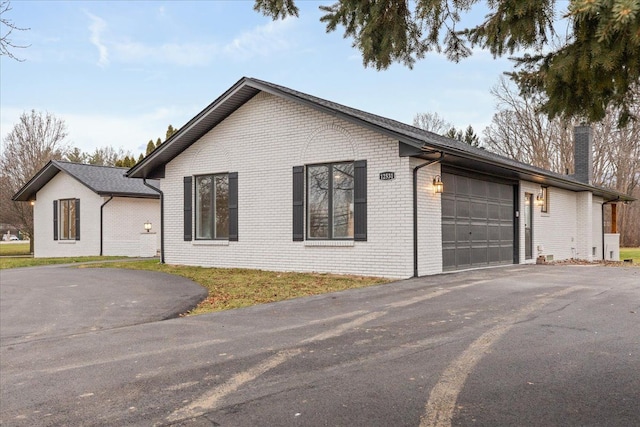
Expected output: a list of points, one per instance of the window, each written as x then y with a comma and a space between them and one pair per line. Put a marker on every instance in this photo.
545, 200
66, 219
212, 207
330, 201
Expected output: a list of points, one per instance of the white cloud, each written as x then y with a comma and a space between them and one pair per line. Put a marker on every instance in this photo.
263, 40
188, 54
97, 27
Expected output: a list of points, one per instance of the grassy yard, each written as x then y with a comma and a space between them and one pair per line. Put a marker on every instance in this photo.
33, 262
234, 287
630, 253
14, 249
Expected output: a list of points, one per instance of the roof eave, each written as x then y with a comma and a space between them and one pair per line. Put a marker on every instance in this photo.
129, 195
29, 190
162, 154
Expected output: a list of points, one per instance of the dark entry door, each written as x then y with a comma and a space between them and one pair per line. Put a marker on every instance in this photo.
477, 222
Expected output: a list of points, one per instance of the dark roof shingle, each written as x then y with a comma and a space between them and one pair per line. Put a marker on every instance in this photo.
103, 180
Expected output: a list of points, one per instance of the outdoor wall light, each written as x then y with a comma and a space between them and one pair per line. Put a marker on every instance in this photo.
33, 203
540, 199
438, 186
147, 226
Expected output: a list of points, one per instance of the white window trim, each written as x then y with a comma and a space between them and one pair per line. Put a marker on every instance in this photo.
343, 243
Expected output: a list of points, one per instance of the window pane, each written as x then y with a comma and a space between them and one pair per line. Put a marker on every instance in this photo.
318, 205
64, 216
204, 219
222, 206
343, 200
72, 218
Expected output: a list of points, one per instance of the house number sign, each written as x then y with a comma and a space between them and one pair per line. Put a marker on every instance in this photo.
386, 176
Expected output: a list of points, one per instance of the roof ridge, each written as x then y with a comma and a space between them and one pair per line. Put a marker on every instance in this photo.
89, 164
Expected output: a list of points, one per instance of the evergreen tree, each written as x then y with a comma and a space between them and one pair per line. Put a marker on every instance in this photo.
140, 158
76, 155
470, 137
170, 132
150, 147
596, 66
158, 142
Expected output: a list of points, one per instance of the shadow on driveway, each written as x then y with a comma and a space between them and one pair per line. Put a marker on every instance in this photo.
42, 302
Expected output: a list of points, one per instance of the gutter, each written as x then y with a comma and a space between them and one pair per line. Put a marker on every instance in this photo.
415, 207
101, 221
617, 199
144, 181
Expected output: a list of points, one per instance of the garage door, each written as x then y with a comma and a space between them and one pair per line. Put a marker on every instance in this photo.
477, 222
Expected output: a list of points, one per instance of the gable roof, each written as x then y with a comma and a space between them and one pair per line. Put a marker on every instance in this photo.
419, 143
102, 180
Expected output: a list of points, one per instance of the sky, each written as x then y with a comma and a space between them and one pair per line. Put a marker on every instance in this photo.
119, 72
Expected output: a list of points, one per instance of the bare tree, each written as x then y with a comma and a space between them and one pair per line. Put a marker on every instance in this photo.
5, 41
520, 131
33, 141
432, 122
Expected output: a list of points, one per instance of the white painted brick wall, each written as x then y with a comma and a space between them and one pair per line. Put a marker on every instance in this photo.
262, 141
124, 219
596, 229
63, 186
148, 244
429, 220
565, 231
584, 225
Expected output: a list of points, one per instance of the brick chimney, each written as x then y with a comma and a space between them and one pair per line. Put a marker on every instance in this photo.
582, 153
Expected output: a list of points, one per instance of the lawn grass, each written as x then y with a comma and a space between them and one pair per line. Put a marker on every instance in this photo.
235, 287
33, 262
14, 249
630, 253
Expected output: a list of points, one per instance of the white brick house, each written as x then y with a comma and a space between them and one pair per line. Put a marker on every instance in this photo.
270, 178
87, 210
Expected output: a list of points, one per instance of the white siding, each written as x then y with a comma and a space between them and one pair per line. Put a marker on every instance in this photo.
63, 186
123, 222
262, 141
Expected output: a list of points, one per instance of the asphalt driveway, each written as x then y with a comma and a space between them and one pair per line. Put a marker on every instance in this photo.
50, 301
510, 346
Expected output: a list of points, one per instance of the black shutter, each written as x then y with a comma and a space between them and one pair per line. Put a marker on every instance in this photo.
55, 220
77, 219
187, 208
233, 206
298, 203
360, 200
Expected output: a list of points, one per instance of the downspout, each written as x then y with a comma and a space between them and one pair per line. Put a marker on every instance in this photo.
101, 220
602, 221
415, 208
144, 181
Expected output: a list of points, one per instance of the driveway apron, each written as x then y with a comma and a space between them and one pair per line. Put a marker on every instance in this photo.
43, 302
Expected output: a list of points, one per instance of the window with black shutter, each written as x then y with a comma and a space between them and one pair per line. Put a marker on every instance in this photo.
336, 201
